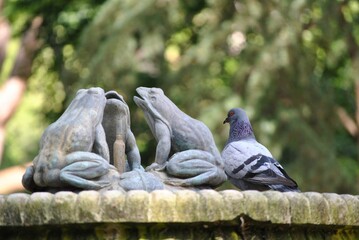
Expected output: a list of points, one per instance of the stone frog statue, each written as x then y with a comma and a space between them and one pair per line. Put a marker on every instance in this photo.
73, 150
119, 137
122, 143
186, 149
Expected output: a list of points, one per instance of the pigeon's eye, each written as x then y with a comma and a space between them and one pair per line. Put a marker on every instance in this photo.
230, 114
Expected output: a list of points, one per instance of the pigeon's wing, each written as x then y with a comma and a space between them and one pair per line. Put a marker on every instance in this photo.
236, 153
261, 169
249, 165
250, 161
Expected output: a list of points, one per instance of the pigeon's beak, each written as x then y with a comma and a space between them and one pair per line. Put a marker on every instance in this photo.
226, 121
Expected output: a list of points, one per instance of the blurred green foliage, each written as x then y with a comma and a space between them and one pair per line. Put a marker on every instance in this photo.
290, 64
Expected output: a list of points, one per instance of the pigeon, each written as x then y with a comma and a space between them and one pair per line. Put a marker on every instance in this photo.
248, 164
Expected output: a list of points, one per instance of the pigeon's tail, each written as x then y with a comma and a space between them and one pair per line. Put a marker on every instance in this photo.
283, 188
245, 185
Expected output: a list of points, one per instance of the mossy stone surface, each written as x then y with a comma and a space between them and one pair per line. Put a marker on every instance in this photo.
233, 202
256, 205
187, 206
14, 205
162, 206
137, 206
185, 214
319, 208
211, 206
64, 208
353, 209
113, 206
338, 209
299, 207
38, 209
278, 207
89, 207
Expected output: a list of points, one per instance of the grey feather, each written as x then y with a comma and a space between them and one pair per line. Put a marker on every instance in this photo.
248, 164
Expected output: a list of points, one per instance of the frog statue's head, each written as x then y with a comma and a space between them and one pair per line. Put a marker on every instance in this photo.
88, 97
89, 102
114, 98
116, 106
154, 104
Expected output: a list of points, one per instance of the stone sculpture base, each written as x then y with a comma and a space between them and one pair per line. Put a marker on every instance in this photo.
205, 214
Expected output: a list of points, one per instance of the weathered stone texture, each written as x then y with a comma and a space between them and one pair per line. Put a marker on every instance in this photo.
186, 214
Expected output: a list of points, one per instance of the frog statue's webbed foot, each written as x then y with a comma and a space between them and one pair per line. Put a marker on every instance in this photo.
156, 167
176, 182
85, 170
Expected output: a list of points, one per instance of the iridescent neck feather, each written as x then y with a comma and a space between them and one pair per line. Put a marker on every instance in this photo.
240, 130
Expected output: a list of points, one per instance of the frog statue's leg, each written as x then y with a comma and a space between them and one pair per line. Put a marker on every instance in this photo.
132, 152
85, 170
100, 145
163, 148
194, 168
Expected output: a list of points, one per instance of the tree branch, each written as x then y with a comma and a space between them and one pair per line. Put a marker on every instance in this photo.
357, 101
10, 179
348, 122
30, 44
14, 88
5, 33
10, 97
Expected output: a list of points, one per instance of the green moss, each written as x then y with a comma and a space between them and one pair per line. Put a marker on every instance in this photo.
234, 236
3, 209
137, 206
233, 204
112, 205
319, 208
278, 207
338, 209
256, 205
14, 206
211, 206
299, 208
89, 209
187, 206
38, 208
162, 206
353, 206
64, 207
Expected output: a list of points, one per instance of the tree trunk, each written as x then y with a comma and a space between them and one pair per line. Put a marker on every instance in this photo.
357, 113
14, 88
5, 33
